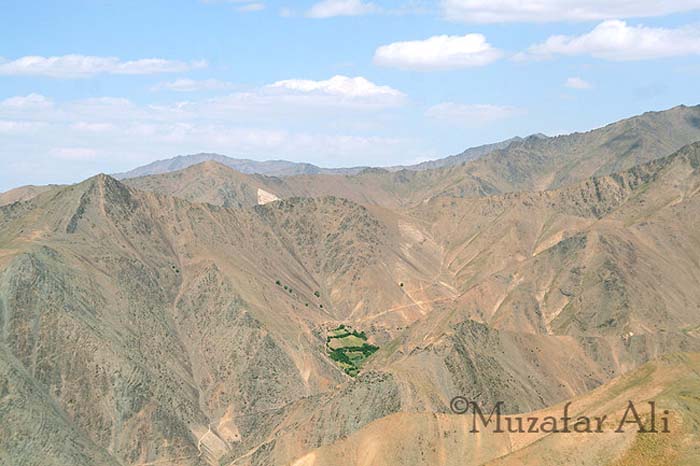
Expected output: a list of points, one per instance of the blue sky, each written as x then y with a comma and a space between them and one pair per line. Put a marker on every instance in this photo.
103, 86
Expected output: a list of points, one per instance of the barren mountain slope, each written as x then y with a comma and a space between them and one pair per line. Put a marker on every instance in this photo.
445, 353
34, 429
158, 327
141, 327
572, 312
538, 163
446, 439
216, 184
151, 320
467, 155
23, 193
546, 163
616, 255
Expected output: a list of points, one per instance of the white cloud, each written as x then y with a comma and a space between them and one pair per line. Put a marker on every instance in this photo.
14, 127
347, 115
617, 41
73, 153
82, 66
245, 5
331, 8
300, 98
192, 85
343, 86
30, 101
284, 96
249, 7
471, 114
500, 11
438, 53
577, 83
92, 127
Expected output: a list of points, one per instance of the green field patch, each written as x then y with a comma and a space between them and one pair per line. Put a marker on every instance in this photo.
356, 356
338, 332
345, 342
348, 348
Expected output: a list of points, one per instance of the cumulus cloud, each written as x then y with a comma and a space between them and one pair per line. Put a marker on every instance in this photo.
352, 93
471, 114
344, 86
83, 66
192, 85
438, 53
332, 8
577, 83
501, 11
616, 40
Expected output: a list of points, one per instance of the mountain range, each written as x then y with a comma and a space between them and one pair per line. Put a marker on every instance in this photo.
286, 168
190, 312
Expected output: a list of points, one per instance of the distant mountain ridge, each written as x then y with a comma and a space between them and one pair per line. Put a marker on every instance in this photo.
247, 166
514, 164
525, 164
288, 168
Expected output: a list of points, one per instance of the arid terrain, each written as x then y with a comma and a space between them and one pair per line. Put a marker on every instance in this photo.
189, 313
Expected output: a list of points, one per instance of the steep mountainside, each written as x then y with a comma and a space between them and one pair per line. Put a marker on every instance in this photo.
186, 318
545, 163
611, 255
215, 183
149, 320
468, 155
446, 439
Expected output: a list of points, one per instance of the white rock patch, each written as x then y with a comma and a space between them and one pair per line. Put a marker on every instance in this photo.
264, 197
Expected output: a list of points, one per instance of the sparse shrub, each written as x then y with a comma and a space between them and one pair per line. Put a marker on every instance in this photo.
317, 294
278, 283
